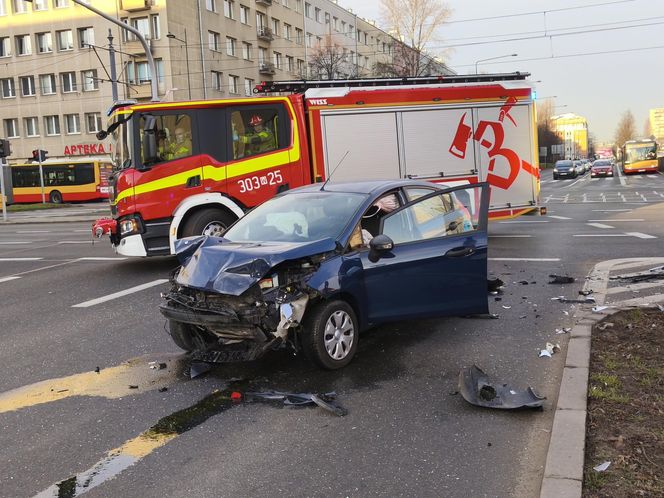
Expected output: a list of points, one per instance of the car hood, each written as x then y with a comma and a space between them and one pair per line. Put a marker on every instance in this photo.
219, 265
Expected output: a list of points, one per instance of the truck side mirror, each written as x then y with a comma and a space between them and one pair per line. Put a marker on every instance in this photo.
149, 141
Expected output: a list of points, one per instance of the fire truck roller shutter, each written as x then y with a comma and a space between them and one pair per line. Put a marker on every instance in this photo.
370, 140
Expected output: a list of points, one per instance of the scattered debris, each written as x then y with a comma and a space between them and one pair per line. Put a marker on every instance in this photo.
133, 386
566, 312
498, 299
495, 284
163, 389
563, 299
156, 366
652, 274
97, 370
477, 389
599, 309
586, 292
561, 279
549, 350
564, 330
524, 316
236, 396
661, 308
601, 467
325, 401
523, 282
197, 368
604, 326
507, 307
491, 316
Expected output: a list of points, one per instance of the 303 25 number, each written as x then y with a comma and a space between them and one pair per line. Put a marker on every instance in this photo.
256, 182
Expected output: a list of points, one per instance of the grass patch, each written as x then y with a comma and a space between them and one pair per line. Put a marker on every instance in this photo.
15, 208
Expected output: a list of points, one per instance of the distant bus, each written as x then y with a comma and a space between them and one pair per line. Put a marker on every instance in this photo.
639, 156
72, 180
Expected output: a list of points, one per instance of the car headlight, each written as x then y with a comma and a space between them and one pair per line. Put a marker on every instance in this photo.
130, 226
555, 170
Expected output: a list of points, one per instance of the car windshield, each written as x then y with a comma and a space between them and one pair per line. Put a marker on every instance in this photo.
564, 164
297, 217
601, 163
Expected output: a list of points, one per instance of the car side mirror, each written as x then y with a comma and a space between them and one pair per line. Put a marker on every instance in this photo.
452, 226
379, 246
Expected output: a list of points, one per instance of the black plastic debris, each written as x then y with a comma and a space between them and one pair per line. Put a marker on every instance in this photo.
133, 386
561, 279
197, 368
97, 370
563, 299
652, 274
477, 389
162, 389
586, 292
325, 401
523, 282
493, 285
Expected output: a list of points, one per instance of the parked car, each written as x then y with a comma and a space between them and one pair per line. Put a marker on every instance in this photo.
564, 168
601, 167
313, 267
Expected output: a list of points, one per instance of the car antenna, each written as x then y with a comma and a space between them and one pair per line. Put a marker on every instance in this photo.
335, 168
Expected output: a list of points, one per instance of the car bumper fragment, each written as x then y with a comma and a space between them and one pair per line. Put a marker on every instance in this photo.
477, 389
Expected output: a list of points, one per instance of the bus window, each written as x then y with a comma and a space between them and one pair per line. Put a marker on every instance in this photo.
25, 176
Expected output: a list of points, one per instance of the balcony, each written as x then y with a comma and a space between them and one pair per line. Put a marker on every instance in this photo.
267, 3
265, 34
266, 68
135, 47
136, 5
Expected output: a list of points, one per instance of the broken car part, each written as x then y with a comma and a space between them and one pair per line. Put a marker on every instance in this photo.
549, 350
561, 279
325, 401
495, 284
477, 389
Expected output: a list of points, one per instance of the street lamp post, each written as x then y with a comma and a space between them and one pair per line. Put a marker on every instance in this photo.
493, 58
186, 55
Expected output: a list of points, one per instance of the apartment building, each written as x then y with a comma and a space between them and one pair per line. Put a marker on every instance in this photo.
573, 131
55, 86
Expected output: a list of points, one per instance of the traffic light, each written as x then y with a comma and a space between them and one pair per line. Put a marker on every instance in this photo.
39, 155
5, 148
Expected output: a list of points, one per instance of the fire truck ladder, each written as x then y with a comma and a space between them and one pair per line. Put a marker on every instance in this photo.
300, 86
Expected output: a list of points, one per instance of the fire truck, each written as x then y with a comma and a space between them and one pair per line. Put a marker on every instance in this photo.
194, 167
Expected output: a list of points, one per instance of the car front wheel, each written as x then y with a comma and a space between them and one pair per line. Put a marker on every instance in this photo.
329, 338
186, 336
555, 177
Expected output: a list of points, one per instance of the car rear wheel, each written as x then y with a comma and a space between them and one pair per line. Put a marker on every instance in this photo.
55, 197
209, 221
329, 338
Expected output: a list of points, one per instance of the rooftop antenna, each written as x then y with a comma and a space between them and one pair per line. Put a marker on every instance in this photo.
335, 168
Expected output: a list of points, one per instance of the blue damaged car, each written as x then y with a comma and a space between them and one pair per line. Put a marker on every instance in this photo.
313, 267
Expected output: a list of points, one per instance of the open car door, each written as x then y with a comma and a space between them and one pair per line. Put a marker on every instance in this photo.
436, 263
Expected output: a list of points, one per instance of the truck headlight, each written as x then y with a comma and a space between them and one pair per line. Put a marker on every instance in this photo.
130, 226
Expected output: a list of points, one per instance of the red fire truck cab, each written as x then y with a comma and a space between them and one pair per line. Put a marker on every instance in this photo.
191, 168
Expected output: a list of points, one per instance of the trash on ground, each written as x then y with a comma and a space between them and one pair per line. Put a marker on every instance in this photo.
477, 389
133, 386
654, 273
162, 389
97, 370
599, 309
601, 467
566, 312
661, 308
495, 284
563, 299
491, 316
156, 366
549, 350
523, 282
507, 307
325, 401
498, 299
586, 292
197, 368
564, 330
523, 316
604, 326
561, 279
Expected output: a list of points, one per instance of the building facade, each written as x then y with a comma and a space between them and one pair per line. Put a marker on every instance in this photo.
657, 125
55, 84
573, 131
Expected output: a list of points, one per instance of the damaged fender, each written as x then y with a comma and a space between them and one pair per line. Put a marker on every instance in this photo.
476, 388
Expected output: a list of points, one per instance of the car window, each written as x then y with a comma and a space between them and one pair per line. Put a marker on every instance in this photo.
441, 215
413, 193
258, 130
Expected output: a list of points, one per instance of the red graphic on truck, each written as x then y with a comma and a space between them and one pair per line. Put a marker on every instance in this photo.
495, 149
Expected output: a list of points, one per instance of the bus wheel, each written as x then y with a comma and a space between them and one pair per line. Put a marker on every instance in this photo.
55, 197
210, 221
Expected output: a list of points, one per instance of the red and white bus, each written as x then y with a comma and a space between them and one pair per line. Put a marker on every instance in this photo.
65, 180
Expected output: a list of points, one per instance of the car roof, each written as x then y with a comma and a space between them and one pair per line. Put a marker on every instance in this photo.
364, 187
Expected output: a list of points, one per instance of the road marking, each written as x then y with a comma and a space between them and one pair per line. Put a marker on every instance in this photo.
21, 259
75, 242
101, 259
33, 231
626, 219
641, 235
119, 294
514, 222
15, 242
599, 225
510, 236
82, 231
621, 178
559, 217
611, 210
524, 259
7, 279
573, 183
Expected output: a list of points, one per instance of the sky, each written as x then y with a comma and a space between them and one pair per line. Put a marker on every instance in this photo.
599, 87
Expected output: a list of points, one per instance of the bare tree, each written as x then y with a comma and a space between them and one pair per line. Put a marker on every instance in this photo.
328, 61
414, 23
546, 136
626, 129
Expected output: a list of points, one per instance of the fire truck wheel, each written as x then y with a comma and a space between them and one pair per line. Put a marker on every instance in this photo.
55, 197
208, 221
329, 335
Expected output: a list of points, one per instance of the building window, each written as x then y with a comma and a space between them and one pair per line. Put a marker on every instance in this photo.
5, 47
275, 26
3, 9
335, 23
290, 63
233, 82
299, 36
72, 124
86, 36
285, 3
156, 27
52, 124
287, 31
300, 67
317, 14
262, 55
260, 20
31, 127
59, 4
228, 9
8, 88
90, 80
246, 51
27, 86
214, 41
142, 73
142, 25
230, 46
23, 45
244, 14
217, 81
68, 82
47, 84
211, 5
44, 43
39, 5
11, 128
307, 9
248, 87
93, 122
65, 40
277, 60
20, 6
298, 6
310, 39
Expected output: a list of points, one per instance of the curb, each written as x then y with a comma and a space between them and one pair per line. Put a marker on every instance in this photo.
563, 471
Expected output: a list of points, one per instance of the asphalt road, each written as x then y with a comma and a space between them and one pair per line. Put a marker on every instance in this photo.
69, 306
